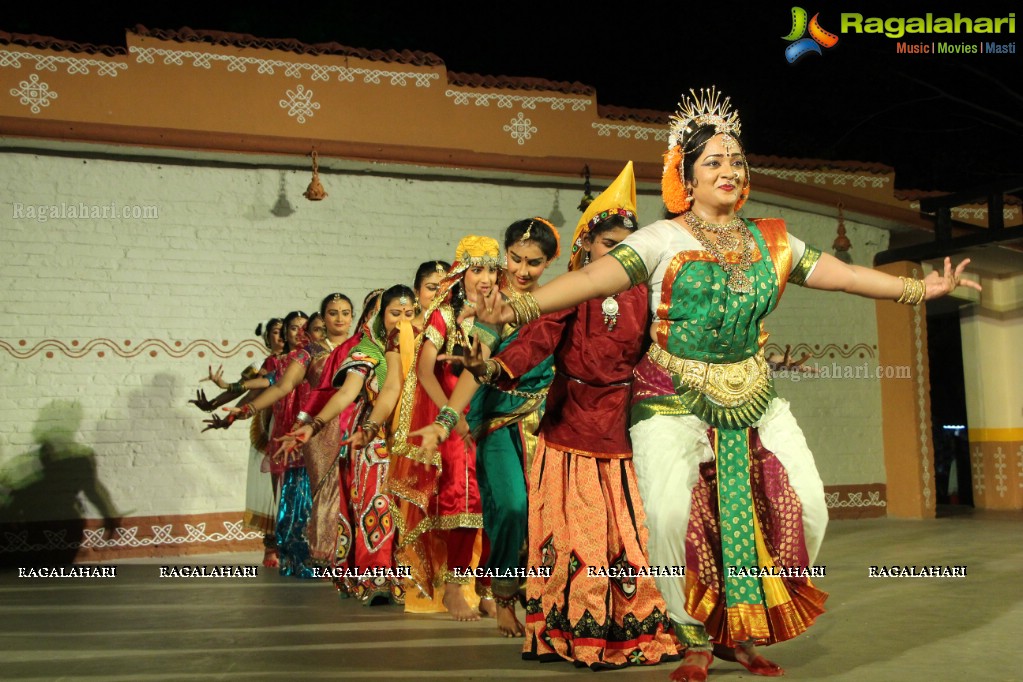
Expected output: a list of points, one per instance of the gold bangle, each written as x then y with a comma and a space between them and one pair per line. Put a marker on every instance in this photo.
525, 308
913, 291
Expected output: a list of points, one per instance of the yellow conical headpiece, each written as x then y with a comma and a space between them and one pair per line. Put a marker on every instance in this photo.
618, 199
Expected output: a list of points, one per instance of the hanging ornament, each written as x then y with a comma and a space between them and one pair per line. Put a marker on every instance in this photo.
315, 191
841, 245
587, 191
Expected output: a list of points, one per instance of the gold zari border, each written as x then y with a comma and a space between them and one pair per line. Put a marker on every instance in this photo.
805, 266
633, 264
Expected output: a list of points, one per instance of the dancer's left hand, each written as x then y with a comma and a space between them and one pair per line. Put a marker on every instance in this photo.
938, 284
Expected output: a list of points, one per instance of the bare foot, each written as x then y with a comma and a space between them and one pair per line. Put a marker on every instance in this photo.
694, 666
748, 658
270, 559
488, 607
507, 624
455, 603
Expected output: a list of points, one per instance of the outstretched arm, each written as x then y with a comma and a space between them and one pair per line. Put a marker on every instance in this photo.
603, 277
293, 376
831, 274
341, 399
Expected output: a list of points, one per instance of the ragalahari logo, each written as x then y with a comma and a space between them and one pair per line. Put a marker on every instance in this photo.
801, 46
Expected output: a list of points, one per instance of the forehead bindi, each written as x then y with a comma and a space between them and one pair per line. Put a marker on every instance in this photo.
527, 251
338, 306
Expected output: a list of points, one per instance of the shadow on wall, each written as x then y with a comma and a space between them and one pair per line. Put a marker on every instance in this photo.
42, 493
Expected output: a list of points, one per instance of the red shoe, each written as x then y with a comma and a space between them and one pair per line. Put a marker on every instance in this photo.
693, 672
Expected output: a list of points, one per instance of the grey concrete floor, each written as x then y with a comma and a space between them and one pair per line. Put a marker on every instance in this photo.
138, 626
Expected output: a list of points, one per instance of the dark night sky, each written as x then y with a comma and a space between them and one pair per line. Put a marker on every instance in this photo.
945, 122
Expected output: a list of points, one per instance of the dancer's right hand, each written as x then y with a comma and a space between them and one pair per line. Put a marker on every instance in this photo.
471, 358
294, 439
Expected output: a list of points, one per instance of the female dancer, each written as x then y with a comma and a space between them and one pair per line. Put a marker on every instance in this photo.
427, 283
316, 328
358, 382
584, 508
308, 517
703, 399
506, 424
436, 493
260, 487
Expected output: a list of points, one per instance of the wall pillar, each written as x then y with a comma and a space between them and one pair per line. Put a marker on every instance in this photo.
993, 370
906, 403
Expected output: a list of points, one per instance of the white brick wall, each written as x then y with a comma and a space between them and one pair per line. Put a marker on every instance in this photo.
216, 261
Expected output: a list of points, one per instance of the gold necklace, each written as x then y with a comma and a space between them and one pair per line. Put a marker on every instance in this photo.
741, 241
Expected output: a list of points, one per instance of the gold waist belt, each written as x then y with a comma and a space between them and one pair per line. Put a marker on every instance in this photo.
729, 384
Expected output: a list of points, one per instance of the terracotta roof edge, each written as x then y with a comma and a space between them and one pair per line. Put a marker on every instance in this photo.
189, 35
500, 82
50, 43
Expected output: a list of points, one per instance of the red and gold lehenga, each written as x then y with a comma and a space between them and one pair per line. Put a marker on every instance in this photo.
371, 531
437, 495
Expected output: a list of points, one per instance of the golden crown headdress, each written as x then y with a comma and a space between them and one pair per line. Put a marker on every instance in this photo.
707, 108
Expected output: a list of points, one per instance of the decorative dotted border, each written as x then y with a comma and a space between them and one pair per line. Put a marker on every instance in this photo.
629, 132
506, 101
76, 66
1009, 213
854, 499
124, 537
269, 67
846, 351
130, 349
826, 177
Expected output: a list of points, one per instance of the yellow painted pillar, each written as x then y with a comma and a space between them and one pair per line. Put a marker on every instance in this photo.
993, 370
906, 403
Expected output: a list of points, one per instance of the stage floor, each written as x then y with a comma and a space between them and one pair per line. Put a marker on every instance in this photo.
138, 626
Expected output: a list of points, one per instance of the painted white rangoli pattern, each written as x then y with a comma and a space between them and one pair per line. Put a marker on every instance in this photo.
34, 93
521, 128
300, 103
